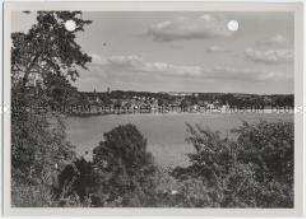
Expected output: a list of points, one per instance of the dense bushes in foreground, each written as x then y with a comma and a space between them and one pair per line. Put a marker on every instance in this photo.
253, 170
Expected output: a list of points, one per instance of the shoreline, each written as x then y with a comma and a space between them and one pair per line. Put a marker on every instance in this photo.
234, 111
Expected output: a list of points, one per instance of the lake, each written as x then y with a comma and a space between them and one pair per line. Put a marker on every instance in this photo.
166, 133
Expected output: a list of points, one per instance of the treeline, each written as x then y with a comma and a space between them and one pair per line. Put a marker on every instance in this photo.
148, 100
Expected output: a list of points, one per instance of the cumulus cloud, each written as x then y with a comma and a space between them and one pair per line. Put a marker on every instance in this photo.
276, 40
133, 66
216, 49
239, 74
137, 64
271, 56
96, 59
183, 28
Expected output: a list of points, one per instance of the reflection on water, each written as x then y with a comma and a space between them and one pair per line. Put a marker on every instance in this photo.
166, 133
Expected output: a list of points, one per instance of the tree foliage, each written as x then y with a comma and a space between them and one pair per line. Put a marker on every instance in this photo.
256, 170
123, 163
124, 147
48, 48
269, 146
44, 62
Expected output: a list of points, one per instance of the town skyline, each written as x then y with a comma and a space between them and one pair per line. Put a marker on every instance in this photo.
105, 90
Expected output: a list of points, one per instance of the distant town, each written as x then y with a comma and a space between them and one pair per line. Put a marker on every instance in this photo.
78, 103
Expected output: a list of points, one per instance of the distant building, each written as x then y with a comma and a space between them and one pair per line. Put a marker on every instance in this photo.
210, 106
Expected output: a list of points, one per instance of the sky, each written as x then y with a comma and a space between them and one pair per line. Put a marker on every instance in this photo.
185, 51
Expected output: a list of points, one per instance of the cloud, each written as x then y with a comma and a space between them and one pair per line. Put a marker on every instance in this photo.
137, 64
273, 50
271, 56
184, 28
96, 59
216, 49
134, 67
276, 40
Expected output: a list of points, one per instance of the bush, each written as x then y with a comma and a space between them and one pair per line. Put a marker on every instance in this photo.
270, 147
228, 173
76, 179
122, 164
124, 147
254, 171
39, 149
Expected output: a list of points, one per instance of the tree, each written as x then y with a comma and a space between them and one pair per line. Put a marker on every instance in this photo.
43, 60
59, 92
124, 147
123, 162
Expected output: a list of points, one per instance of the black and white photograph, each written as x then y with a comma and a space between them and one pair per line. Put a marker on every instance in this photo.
152, 109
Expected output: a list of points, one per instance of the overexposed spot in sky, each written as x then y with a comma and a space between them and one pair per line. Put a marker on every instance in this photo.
233, 25
70, 25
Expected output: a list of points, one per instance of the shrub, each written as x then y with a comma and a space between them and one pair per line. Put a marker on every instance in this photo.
124, 147
269, 146
39, 148
223, 172
76, 179
254, 171
122, 164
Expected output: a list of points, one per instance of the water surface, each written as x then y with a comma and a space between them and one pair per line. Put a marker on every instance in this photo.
166, 133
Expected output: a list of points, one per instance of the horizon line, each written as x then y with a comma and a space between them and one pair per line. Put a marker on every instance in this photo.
187, 92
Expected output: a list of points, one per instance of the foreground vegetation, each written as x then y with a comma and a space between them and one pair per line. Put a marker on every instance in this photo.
255, 170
